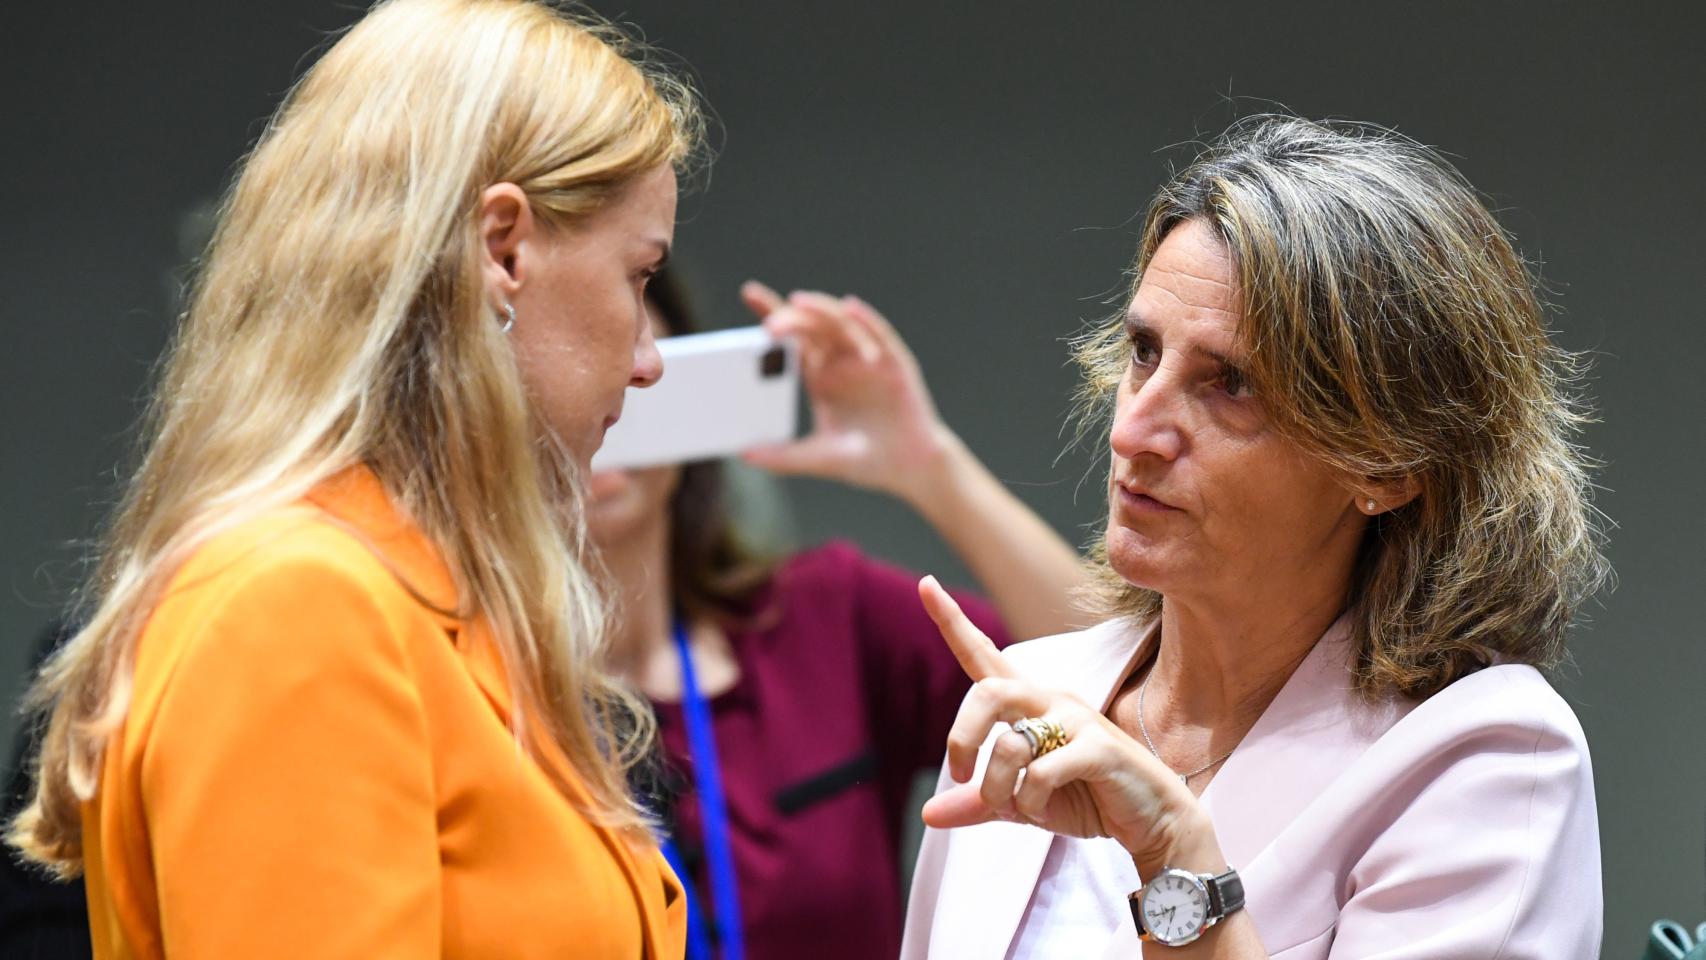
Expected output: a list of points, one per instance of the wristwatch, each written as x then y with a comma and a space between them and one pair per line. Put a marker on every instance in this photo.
1176, 906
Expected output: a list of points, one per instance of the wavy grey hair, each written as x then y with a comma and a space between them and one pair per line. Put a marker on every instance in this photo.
1394, 333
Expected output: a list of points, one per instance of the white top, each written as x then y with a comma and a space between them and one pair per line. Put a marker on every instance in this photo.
1064, 919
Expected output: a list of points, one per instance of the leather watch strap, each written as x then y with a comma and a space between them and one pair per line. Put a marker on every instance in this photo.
1136, 903
1225, 894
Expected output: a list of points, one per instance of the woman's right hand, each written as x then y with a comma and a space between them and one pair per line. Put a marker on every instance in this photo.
1101, 783
874, 424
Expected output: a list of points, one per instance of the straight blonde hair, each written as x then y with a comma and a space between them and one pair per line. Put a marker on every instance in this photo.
1394, 334
339, 318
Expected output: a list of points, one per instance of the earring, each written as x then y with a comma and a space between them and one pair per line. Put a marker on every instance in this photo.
509, 322
1372, 506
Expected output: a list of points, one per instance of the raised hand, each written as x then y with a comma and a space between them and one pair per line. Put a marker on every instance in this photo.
874, 424
1102, 783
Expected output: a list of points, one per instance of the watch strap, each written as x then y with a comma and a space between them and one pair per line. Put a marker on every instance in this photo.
1225, 894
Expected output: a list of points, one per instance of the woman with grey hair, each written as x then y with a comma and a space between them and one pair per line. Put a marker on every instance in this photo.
1347, 532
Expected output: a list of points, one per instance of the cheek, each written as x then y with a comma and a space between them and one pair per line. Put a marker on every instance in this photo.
1271, 491
563, 396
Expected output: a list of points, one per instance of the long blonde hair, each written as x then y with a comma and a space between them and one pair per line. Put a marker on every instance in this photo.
339, 318
1394, 334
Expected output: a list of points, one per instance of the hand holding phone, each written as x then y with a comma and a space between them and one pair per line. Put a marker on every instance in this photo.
873, 422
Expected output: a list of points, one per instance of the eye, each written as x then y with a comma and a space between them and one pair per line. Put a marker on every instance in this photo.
1143, 351
1233, 382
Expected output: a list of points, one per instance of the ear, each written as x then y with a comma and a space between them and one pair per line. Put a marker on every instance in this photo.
1386, 496
506, 224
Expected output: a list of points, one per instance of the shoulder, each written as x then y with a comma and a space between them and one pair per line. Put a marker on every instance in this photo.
293, 553
1497, 764
1497, 759
1501, 707
290, 585
1491, 746
274, 547
836, 580
832, 560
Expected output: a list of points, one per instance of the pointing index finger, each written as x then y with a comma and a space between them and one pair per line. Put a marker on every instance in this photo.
976, 653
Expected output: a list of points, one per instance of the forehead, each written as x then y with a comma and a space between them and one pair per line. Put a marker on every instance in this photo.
643, 210
1189, 288
651, 196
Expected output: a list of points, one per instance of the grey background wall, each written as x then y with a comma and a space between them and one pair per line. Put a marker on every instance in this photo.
972, 169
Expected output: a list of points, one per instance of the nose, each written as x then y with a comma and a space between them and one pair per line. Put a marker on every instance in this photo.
648, 363
1147, 419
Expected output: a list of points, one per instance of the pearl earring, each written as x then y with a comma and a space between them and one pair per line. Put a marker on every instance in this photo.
1371, 506
509, 322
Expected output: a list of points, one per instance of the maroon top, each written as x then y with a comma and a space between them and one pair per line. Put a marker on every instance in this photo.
846, 692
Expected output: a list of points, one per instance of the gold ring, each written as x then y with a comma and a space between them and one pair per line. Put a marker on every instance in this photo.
1045, 735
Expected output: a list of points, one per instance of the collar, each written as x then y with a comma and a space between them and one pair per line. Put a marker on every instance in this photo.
356, 500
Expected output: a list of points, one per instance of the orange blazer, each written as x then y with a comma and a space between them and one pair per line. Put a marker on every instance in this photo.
317, 764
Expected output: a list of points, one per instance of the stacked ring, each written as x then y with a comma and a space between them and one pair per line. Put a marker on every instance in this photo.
1044, 735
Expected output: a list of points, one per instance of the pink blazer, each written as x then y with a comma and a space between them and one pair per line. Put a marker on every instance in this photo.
1463, 826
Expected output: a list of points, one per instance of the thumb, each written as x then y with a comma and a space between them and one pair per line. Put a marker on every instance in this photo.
817, 455
958, 806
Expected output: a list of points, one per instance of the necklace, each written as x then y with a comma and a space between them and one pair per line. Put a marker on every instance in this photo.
1144, 729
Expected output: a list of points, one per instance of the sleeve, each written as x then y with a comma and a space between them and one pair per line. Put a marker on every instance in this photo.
915, 684
288, 779
1496, 856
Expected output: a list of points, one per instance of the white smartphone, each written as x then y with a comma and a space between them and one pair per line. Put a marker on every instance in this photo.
721, 393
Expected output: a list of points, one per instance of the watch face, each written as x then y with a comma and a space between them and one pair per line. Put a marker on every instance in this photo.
1175, 907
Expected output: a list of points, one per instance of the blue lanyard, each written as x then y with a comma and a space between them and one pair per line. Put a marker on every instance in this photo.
713, 812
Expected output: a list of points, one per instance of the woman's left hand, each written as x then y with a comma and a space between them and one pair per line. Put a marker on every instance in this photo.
1102, 783
874, 424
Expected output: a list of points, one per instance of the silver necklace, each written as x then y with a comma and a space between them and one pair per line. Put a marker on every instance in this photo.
1143, 728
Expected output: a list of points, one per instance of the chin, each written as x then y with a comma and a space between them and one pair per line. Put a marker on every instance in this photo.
1139, 560
611, 523
604, 486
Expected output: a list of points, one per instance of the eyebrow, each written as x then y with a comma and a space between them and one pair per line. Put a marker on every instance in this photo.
1136, 326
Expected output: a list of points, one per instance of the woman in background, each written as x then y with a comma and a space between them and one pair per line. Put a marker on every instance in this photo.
340, 691
819, 688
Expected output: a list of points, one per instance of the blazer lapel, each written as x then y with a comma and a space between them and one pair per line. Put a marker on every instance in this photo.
654, 885
1315, 728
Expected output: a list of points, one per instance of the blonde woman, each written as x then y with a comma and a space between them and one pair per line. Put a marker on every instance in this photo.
1347, 528
338, 694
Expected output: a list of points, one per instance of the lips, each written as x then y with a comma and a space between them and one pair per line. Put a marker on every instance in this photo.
1136, 497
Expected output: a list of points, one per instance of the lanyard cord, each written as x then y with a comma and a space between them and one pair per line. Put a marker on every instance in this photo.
719, 853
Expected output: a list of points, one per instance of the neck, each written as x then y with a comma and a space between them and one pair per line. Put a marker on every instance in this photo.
639, 570
1221, 662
